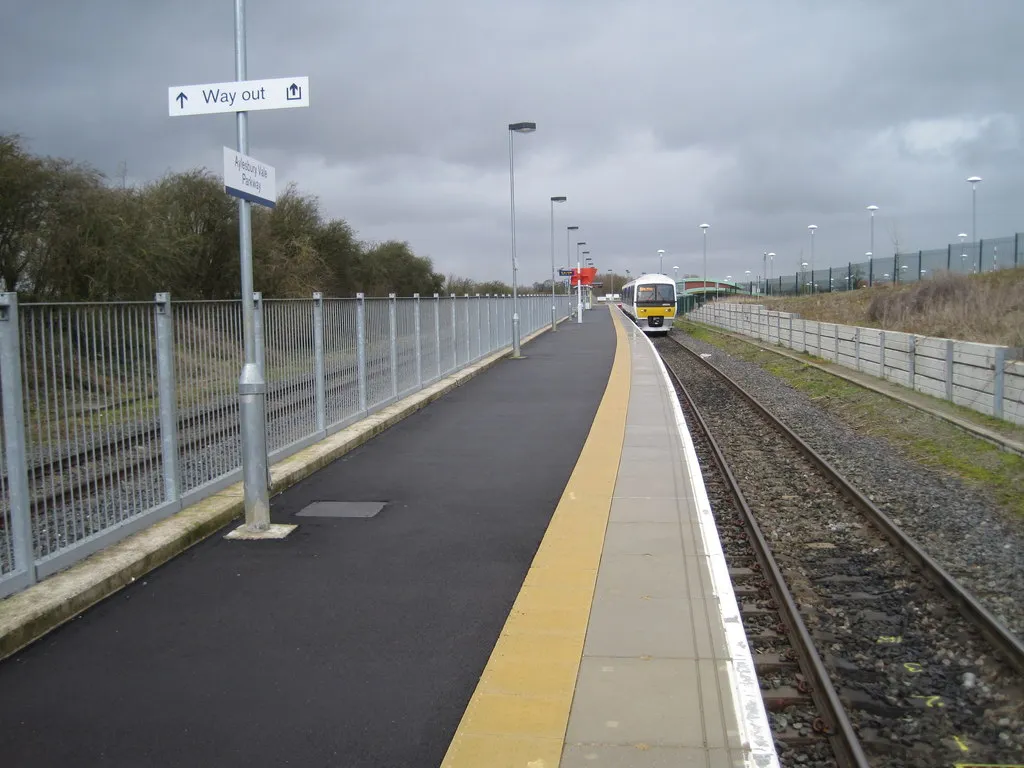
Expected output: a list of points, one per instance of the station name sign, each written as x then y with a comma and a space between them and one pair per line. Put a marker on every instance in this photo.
248, 178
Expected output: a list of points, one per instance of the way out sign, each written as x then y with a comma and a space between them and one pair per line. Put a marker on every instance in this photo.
238, 96
249, 179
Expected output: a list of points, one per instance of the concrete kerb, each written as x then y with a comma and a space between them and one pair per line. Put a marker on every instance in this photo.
32, 613
1000, 441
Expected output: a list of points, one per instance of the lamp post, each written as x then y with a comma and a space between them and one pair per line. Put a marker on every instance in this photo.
568, 259
973, 181
803, 272
588, 262
811, 228
579, 285
661, 262
771, 267
559, 199
963, 253
750, 288
704, 229
513, 129
872, 209
676, 278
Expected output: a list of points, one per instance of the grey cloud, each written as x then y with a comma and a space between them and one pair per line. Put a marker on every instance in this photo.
761, 117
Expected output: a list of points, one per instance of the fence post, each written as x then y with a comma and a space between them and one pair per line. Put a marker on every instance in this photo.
487, 306
920, 264
479, 327
949, 257
949, 370
319, 385
871, 271
167, 394
469, 336
912, 359
261, 349
361, 348
261, 364
455, 336
14, 436
881, 355
393, 334
437, 330
1016, 248
997, 384
835, 328
981, 254
856, 347
419, 342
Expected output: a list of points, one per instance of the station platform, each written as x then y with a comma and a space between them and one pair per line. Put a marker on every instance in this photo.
532, 578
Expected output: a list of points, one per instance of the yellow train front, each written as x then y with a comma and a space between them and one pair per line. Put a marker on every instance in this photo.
650, 301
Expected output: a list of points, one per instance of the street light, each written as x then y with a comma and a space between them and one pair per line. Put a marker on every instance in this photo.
588, 262
661, 262
513, 129
579, 284
811, 228
871, 274
704, 228
568, 259
749, 287
973, 181
676, 270
559, 199
872, 208
771, 267
963, 254
803, 272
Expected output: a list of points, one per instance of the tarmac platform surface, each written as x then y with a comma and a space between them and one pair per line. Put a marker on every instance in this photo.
353, 642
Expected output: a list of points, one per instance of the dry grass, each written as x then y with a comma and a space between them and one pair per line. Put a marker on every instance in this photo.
986, 308
923, 438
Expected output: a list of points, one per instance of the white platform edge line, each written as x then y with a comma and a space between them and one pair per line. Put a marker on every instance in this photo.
751, 716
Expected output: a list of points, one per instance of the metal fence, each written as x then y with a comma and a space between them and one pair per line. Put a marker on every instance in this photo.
907, 267
116, 415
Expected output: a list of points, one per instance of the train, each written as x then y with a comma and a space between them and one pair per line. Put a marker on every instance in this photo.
650, 302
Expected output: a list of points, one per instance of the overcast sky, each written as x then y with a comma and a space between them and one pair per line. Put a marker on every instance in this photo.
757, 116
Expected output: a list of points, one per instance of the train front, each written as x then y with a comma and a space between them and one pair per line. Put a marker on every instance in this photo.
656, 306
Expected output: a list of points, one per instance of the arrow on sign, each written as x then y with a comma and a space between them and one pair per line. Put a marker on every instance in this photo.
294, 89
181, 98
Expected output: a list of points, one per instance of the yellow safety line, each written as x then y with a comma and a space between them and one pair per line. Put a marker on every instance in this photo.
519, 711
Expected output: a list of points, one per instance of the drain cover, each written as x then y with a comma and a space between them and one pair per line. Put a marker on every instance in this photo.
342, 509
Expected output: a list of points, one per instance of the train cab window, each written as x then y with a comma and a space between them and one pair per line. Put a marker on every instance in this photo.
655, 294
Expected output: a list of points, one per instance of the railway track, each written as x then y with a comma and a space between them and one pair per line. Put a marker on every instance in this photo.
91, 488
859, 636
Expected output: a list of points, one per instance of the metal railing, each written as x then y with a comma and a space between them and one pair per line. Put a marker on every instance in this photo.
117, 415
905, 267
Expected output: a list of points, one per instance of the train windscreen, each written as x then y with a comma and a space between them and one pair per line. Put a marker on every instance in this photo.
655, 294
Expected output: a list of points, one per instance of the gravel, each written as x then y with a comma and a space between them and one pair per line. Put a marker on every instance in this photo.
898, 649
961, 527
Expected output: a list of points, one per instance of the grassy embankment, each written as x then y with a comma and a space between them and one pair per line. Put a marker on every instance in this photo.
986, 308
920, 308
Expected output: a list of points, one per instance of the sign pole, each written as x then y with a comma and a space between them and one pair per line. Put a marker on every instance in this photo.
252, 386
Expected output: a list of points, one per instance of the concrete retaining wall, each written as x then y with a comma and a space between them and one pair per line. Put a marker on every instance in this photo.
984, 377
